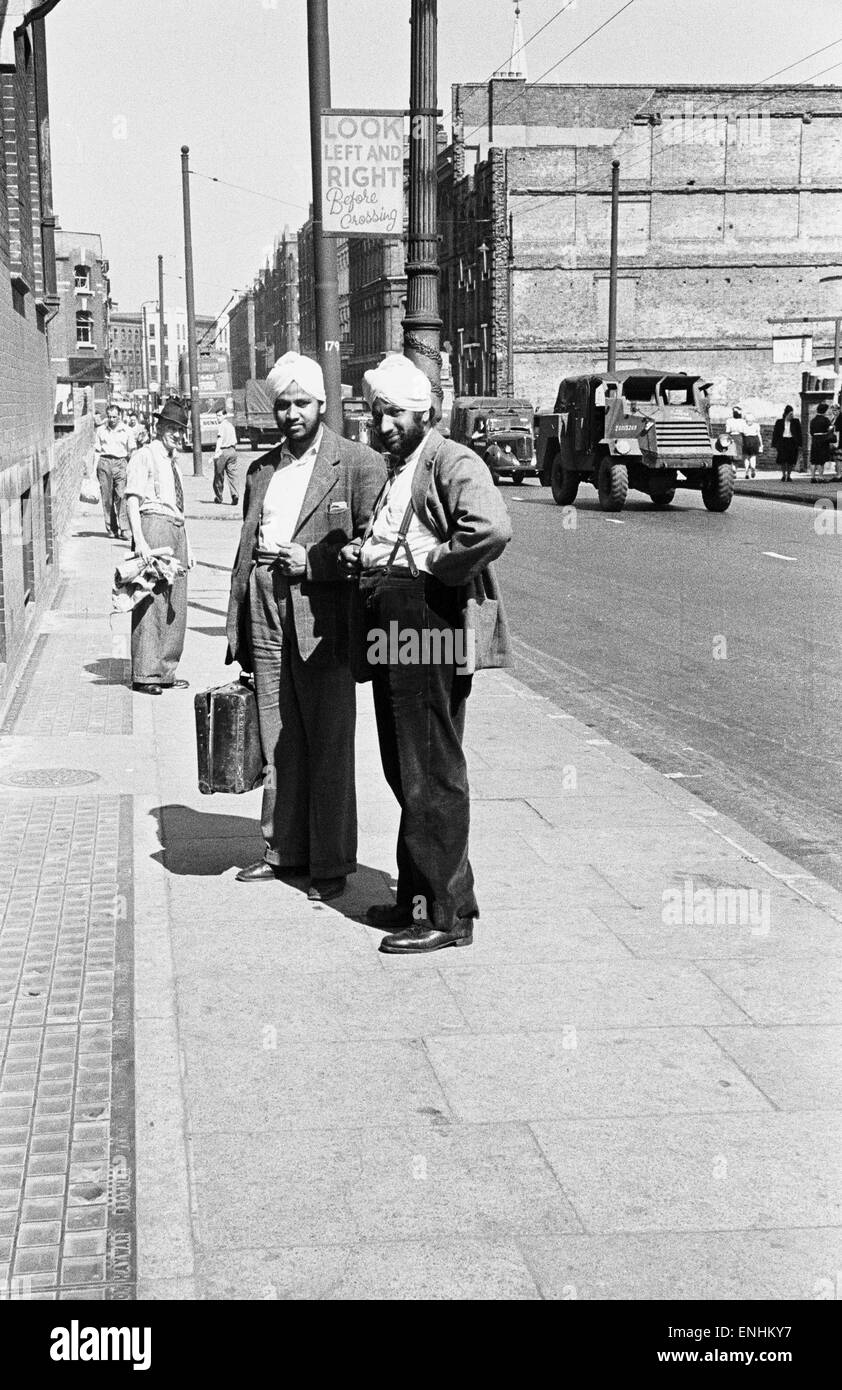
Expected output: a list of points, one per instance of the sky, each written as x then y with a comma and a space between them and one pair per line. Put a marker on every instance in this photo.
131, 81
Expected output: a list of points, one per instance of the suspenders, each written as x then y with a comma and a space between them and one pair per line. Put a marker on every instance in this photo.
401, 541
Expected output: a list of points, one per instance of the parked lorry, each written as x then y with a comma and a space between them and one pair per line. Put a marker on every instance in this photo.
646, 429
357, 419
261, 425
500, 430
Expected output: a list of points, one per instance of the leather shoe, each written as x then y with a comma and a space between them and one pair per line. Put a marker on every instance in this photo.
261, 872
321, 890
390, 916
142, 689
424, 937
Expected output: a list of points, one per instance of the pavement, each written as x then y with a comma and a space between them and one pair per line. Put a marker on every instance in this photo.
798, 489
630, 1089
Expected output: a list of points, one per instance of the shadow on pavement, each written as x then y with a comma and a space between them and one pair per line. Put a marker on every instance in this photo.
203, 844
110, 670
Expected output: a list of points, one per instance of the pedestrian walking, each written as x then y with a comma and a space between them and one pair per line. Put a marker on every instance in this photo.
114, 444
155, 505
752, 445
288, 623
821, 439
225, 460
435, 529
786, 441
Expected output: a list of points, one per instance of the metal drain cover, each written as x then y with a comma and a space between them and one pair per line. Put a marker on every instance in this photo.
48, 777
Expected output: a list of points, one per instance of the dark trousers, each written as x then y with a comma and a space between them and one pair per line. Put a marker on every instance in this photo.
225, 466
159, 623
420, 711
307, 714
111, 476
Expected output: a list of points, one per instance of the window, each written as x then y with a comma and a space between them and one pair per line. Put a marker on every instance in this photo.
82, 278
151, 352
84, 328
48, 517
151, 330
27, 548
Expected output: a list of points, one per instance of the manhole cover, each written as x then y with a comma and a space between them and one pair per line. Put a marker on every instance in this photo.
49, 777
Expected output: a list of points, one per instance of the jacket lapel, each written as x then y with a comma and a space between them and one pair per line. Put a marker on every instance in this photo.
322, 479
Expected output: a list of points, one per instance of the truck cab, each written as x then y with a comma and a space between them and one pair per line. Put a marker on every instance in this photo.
500, 430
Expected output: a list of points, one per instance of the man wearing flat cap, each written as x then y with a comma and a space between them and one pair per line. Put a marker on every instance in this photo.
155, 509
288, 622
425, 554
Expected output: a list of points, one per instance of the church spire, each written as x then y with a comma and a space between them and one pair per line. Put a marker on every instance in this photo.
517, 61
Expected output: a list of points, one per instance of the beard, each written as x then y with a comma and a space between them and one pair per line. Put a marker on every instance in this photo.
400, 449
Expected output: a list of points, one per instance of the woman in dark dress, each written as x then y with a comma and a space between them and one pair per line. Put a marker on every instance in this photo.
786, 441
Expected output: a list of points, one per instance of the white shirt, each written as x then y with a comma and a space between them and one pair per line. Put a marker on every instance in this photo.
150, 478
285, 497
378, 547
226, 435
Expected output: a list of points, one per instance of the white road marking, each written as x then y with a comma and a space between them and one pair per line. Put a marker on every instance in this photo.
773, 555
674, 775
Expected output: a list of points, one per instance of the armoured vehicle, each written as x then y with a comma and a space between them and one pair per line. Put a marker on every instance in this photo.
646, 429
499, 429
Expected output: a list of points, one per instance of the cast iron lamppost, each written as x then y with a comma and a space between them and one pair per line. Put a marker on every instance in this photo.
422, 324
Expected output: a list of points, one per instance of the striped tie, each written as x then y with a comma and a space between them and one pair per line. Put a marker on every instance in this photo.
179, 490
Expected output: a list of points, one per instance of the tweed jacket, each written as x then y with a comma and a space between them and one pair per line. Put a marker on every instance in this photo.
343, 487
453, 493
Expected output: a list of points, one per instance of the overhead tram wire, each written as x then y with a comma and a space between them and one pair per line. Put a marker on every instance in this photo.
646, 155
212, 178
703, 111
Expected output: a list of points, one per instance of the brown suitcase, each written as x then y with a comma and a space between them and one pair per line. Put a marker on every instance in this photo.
228, 739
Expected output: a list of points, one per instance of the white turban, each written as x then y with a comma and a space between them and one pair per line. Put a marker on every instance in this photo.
400, 382
293, 367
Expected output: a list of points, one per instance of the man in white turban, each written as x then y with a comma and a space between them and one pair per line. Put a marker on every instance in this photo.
425, 552
288, 622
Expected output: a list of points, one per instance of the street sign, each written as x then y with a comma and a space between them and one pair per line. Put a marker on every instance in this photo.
362, 172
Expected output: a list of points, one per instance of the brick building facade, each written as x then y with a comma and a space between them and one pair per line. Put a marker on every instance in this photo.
263, 324
128, 367
377, 295
39, 477
730, 217
79, 334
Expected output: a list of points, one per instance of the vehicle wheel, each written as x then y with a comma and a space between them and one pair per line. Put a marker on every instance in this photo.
612, 485
718, 487
663, 499
253, 442
564, 483
517, 478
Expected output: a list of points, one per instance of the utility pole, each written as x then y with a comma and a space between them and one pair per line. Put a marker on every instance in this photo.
510, 296
422, 324
192, 349
325, 269
161, 378
612, 273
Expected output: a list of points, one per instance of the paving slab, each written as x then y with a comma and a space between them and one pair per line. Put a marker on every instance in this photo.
455, 1270
732, 1266
796, 1067
582, 1071
699, 1172
590, 993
